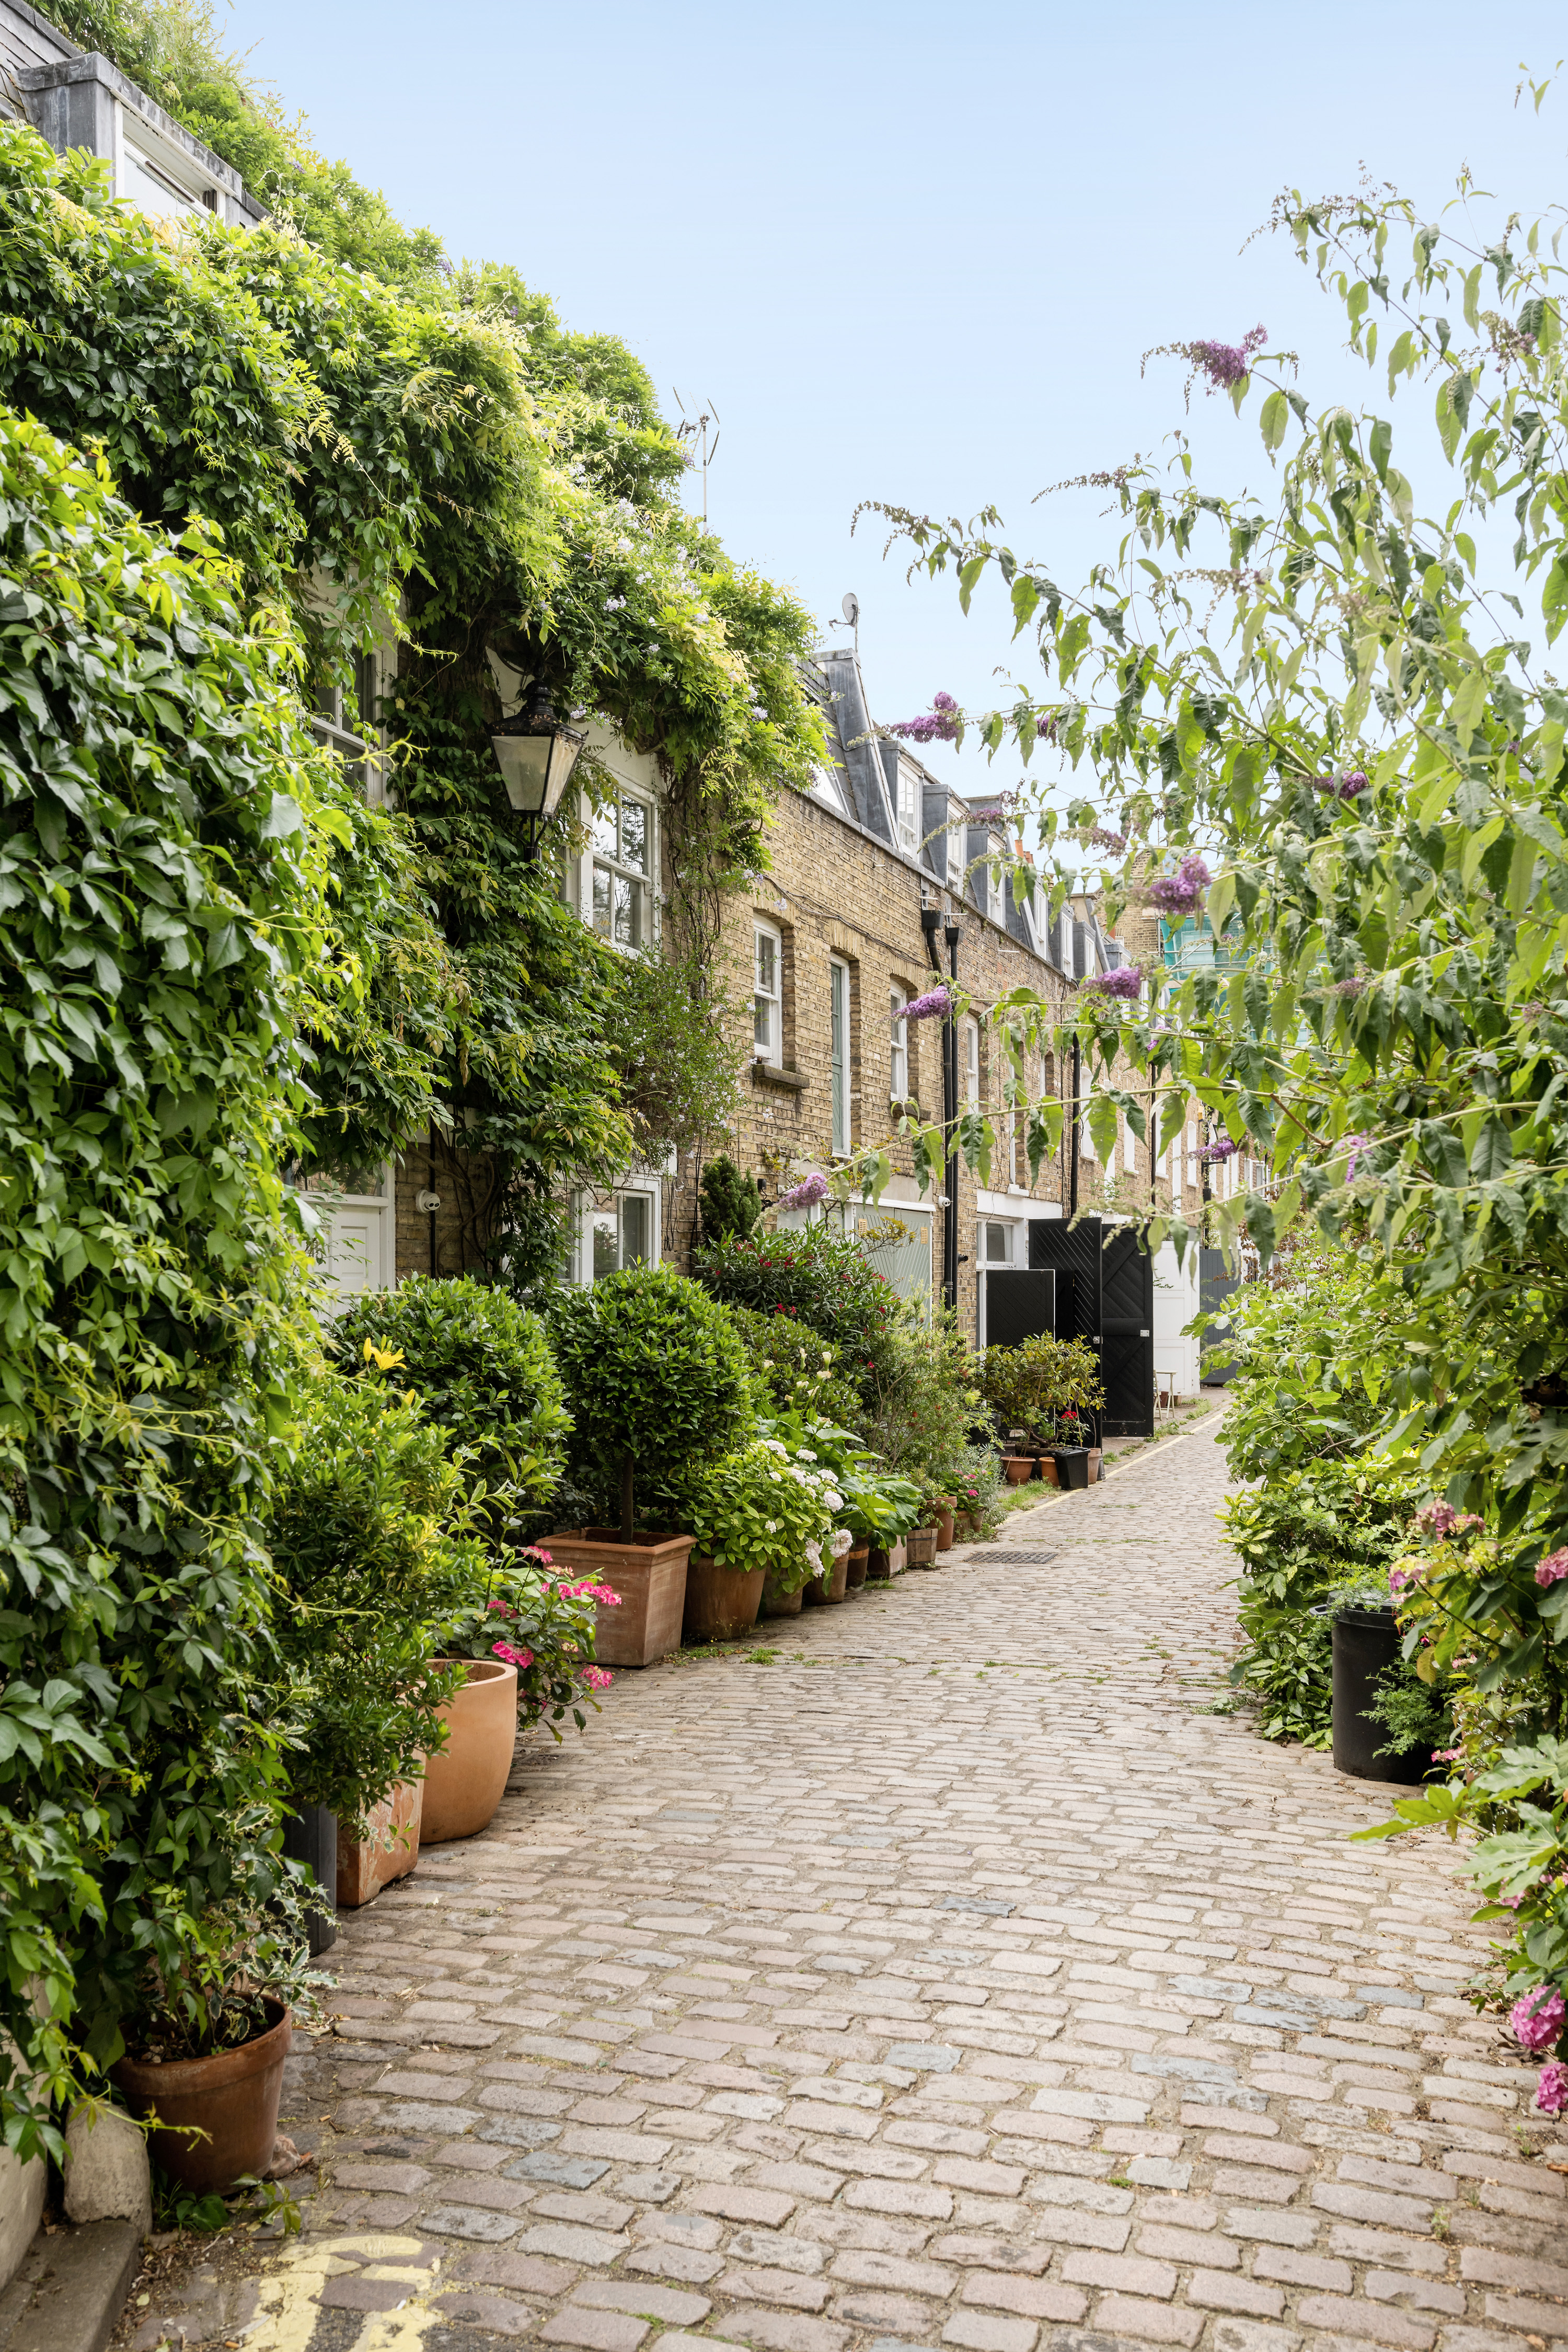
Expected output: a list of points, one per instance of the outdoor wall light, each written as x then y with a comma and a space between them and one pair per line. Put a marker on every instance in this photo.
536, 754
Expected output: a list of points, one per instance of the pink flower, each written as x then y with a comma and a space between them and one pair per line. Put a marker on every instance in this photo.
1398, 1577
1553, 1568
596, 1678
590, 1592
1537, 2019
1552, 2091
518, 1658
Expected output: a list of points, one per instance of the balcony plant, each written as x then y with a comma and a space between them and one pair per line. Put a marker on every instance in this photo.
656, 1376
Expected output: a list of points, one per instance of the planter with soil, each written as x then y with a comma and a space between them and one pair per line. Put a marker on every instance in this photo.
231, 2098
390, 1850
649, 1574
1020, 1468
945, 1522
1096, 1463
854, 1561
920, 1548
467, 1781
779, 1601
720, 1601
1072, 1466
1366, 1642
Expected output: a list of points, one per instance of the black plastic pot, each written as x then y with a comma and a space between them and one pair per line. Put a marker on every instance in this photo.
1072, 1465
1365, 1644
311, 1837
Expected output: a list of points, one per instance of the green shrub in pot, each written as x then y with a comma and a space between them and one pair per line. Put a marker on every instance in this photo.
378, 1557
483, 1368
656, 1376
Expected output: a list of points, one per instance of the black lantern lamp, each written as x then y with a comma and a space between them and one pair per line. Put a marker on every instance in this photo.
536, 754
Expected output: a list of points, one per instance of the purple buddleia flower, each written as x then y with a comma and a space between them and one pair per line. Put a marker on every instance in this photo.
938, 725
1180, 894
1347, 987
1101, 837
1360, 1145
1226, 365
1349, 786
1125, 981
932, 1006
806, 1193
1223, 1150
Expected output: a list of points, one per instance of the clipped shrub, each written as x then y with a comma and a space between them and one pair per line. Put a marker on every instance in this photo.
731, 1202
656, 1374
377, 1557
483, 1370
818, 1278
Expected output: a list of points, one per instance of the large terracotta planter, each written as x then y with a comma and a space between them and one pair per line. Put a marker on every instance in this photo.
1096, 1458
391, 1850
720, 1601
1048, 1469
944, 1523
854, 1565
232, 2098
465, 1783
1019, 1468
650, 1578
777, 1603
828, 1588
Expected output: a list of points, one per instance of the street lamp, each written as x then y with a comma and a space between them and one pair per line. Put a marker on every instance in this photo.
536, 755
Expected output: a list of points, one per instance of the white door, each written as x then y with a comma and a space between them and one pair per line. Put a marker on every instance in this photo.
361, 1254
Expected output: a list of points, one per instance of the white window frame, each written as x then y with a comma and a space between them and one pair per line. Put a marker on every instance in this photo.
838, 1054
972, 1063
358, 748
767, 1002
612, 864
595, 1207
907, 811
898, 1044
1008, 1227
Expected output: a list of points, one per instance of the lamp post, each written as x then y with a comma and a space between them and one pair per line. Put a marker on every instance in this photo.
536, 754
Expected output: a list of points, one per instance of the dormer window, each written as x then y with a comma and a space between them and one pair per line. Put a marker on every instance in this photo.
908, 810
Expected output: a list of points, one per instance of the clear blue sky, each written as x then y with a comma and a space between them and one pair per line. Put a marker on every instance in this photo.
915, 253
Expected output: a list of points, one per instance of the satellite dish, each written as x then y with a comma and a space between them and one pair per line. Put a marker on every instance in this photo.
850, 608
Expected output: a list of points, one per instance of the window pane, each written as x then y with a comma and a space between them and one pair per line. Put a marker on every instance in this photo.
767, 964
839, 989
606, 1243
762, 1025
634, 835
604, 836
628, 913
635, 1223
603, 881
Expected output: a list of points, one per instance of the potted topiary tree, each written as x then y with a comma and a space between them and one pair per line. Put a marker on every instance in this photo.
656, 1375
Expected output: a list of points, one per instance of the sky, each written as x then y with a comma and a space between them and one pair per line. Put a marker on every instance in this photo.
916, 253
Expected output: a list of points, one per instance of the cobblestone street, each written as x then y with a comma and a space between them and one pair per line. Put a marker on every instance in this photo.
955, 1978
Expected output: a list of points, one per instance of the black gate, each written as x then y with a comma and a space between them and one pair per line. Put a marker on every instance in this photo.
1214, 1287
1109, 1302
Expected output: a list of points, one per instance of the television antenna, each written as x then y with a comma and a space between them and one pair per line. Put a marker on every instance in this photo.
692, 435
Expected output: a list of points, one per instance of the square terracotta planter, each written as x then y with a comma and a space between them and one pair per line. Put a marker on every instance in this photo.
390, 1852
650, 1578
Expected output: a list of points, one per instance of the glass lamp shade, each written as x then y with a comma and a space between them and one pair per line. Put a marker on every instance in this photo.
536, 756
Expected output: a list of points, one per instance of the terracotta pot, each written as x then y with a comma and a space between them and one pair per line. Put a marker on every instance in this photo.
390, 1851
777, 1603
854, 1566
1048, 1470
1096, 1456
650, 1578
830, 1585
1019, 1468
920, 1548
720, 1603
233, 2099
944, 1523
465, 1783
965, 1527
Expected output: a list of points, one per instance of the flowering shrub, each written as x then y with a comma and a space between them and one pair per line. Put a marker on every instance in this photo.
541, 1623
933, 1005
939, 725
1125, 983
821, 1280
760, 1507
806, 1193
1181, 893
875, 1504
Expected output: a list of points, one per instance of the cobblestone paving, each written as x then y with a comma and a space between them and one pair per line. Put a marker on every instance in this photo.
953, 1980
